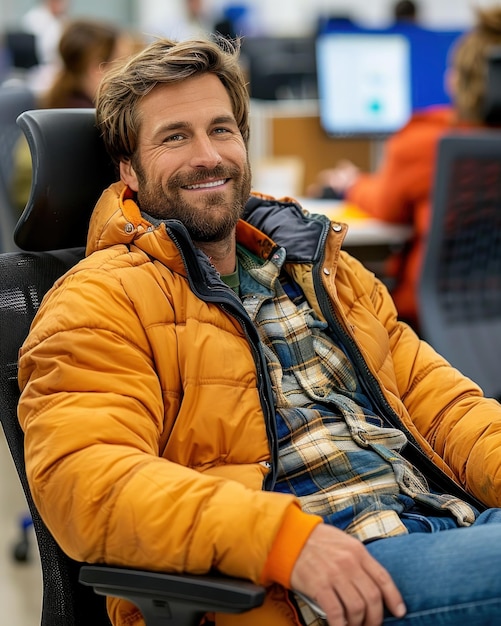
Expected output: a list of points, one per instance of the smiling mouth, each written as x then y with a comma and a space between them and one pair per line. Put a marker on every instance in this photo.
208, 185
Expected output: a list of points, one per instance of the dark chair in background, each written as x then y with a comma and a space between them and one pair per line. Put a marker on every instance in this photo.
14, 99
460, 284
21, 49
492, 100
67, 151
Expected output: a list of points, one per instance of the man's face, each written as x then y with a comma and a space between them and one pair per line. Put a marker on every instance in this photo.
191, 163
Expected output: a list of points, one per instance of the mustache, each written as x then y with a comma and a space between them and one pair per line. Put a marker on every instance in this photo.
220, 171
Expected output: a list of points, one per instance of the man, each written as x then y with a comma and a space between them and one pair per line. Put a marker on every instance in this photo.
206, 391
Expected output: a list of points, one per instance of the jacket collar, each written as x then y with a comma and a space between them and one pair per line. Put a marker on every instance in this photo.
267, 223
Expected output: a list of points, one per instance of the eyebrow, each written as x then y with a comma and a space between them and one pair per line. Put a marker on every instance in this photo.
181, 125
224, 119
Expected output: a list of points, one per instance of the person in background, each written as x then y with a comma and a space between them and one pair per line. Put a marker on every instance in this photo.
218, 385
46, 21
87, 48
236, 21
405, 11
196, 22
399, 191
193, 21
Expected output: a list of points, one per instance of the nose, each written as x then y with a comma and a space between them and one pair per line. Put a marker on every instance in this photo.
205, 153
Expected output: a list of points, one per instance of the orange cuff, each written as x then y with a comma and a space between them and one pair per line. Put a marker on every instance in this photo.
293, 534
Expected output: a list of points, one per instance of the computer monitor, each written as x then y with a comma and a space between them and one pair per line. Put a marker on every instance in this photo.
280, 68
21, 49
371, 81
364, 83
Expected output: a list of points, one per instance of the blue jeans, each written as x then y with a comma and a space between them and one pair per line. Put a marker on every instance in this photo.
448, 577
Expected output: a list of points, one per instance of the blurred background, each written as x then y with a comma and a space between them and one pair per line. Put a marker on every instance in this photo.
293, 136
278, 17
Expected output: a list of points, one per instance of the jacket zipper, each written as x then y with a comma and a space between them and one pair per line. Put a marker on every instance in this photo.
225, 298
265, 394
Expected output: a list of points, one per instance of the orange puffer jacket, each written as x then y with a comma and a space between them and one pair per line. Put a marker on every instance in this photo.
150, 438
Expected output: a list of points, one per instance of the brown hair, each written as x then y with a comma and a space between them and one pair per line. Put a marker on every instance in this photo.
165, 62
82, 43
469, 63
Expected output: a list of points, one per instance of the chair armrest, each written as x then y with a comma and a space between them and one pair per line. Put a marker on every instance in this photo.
178, 598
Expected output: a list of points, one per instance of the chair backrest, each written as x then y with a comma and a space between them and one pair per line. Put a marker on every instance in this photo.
66, 149
14, 99
492, 100
71, 168
460, 283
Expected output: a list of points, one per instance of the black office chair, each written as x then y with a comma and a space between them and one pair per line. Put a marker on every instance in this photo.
460, 283
67, 156
14, 99
492, 98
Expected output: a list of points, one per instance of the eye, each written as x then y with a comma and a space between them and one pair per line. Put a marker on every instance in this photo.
223, 130
173, 138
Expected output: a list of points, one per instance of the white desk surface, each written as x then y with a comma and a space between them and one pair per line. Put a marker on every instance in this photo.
362, 231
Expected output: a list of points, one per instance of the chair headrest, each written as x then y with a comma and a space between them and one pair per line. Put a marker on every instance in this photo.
71, 168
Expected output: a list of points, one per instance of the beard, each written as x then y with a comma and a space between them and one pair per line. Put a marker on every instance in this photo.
213, 217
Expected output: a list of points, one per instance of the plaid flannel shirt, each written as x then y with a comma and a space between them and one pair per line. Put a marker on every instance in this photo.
335, 454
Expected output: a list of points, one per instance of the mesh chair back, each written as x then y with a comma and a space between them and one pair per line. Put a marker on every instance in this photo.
460, 285
24, 279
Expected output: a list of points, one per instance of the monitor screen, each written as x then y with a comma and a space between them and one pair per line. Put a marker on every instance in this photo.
280, 68
371, 81
364, 83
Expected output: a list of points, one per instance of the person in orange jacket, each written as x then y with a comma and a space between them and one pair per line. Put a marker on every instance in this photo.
399, 191
219, 386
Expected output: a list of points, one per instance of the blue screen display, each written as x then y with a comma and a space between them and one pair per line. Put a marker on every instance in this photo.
370, 81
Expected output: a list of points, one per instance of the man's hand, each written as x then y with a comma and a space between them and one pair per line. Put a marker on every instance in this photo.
338, 573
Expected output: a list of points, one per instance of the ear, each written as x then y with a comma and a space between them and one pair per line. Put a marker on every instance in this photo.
128, 175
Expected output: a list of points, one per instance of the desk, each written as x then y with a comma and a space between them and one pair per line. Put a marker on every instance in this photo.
363, 230
369, 240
